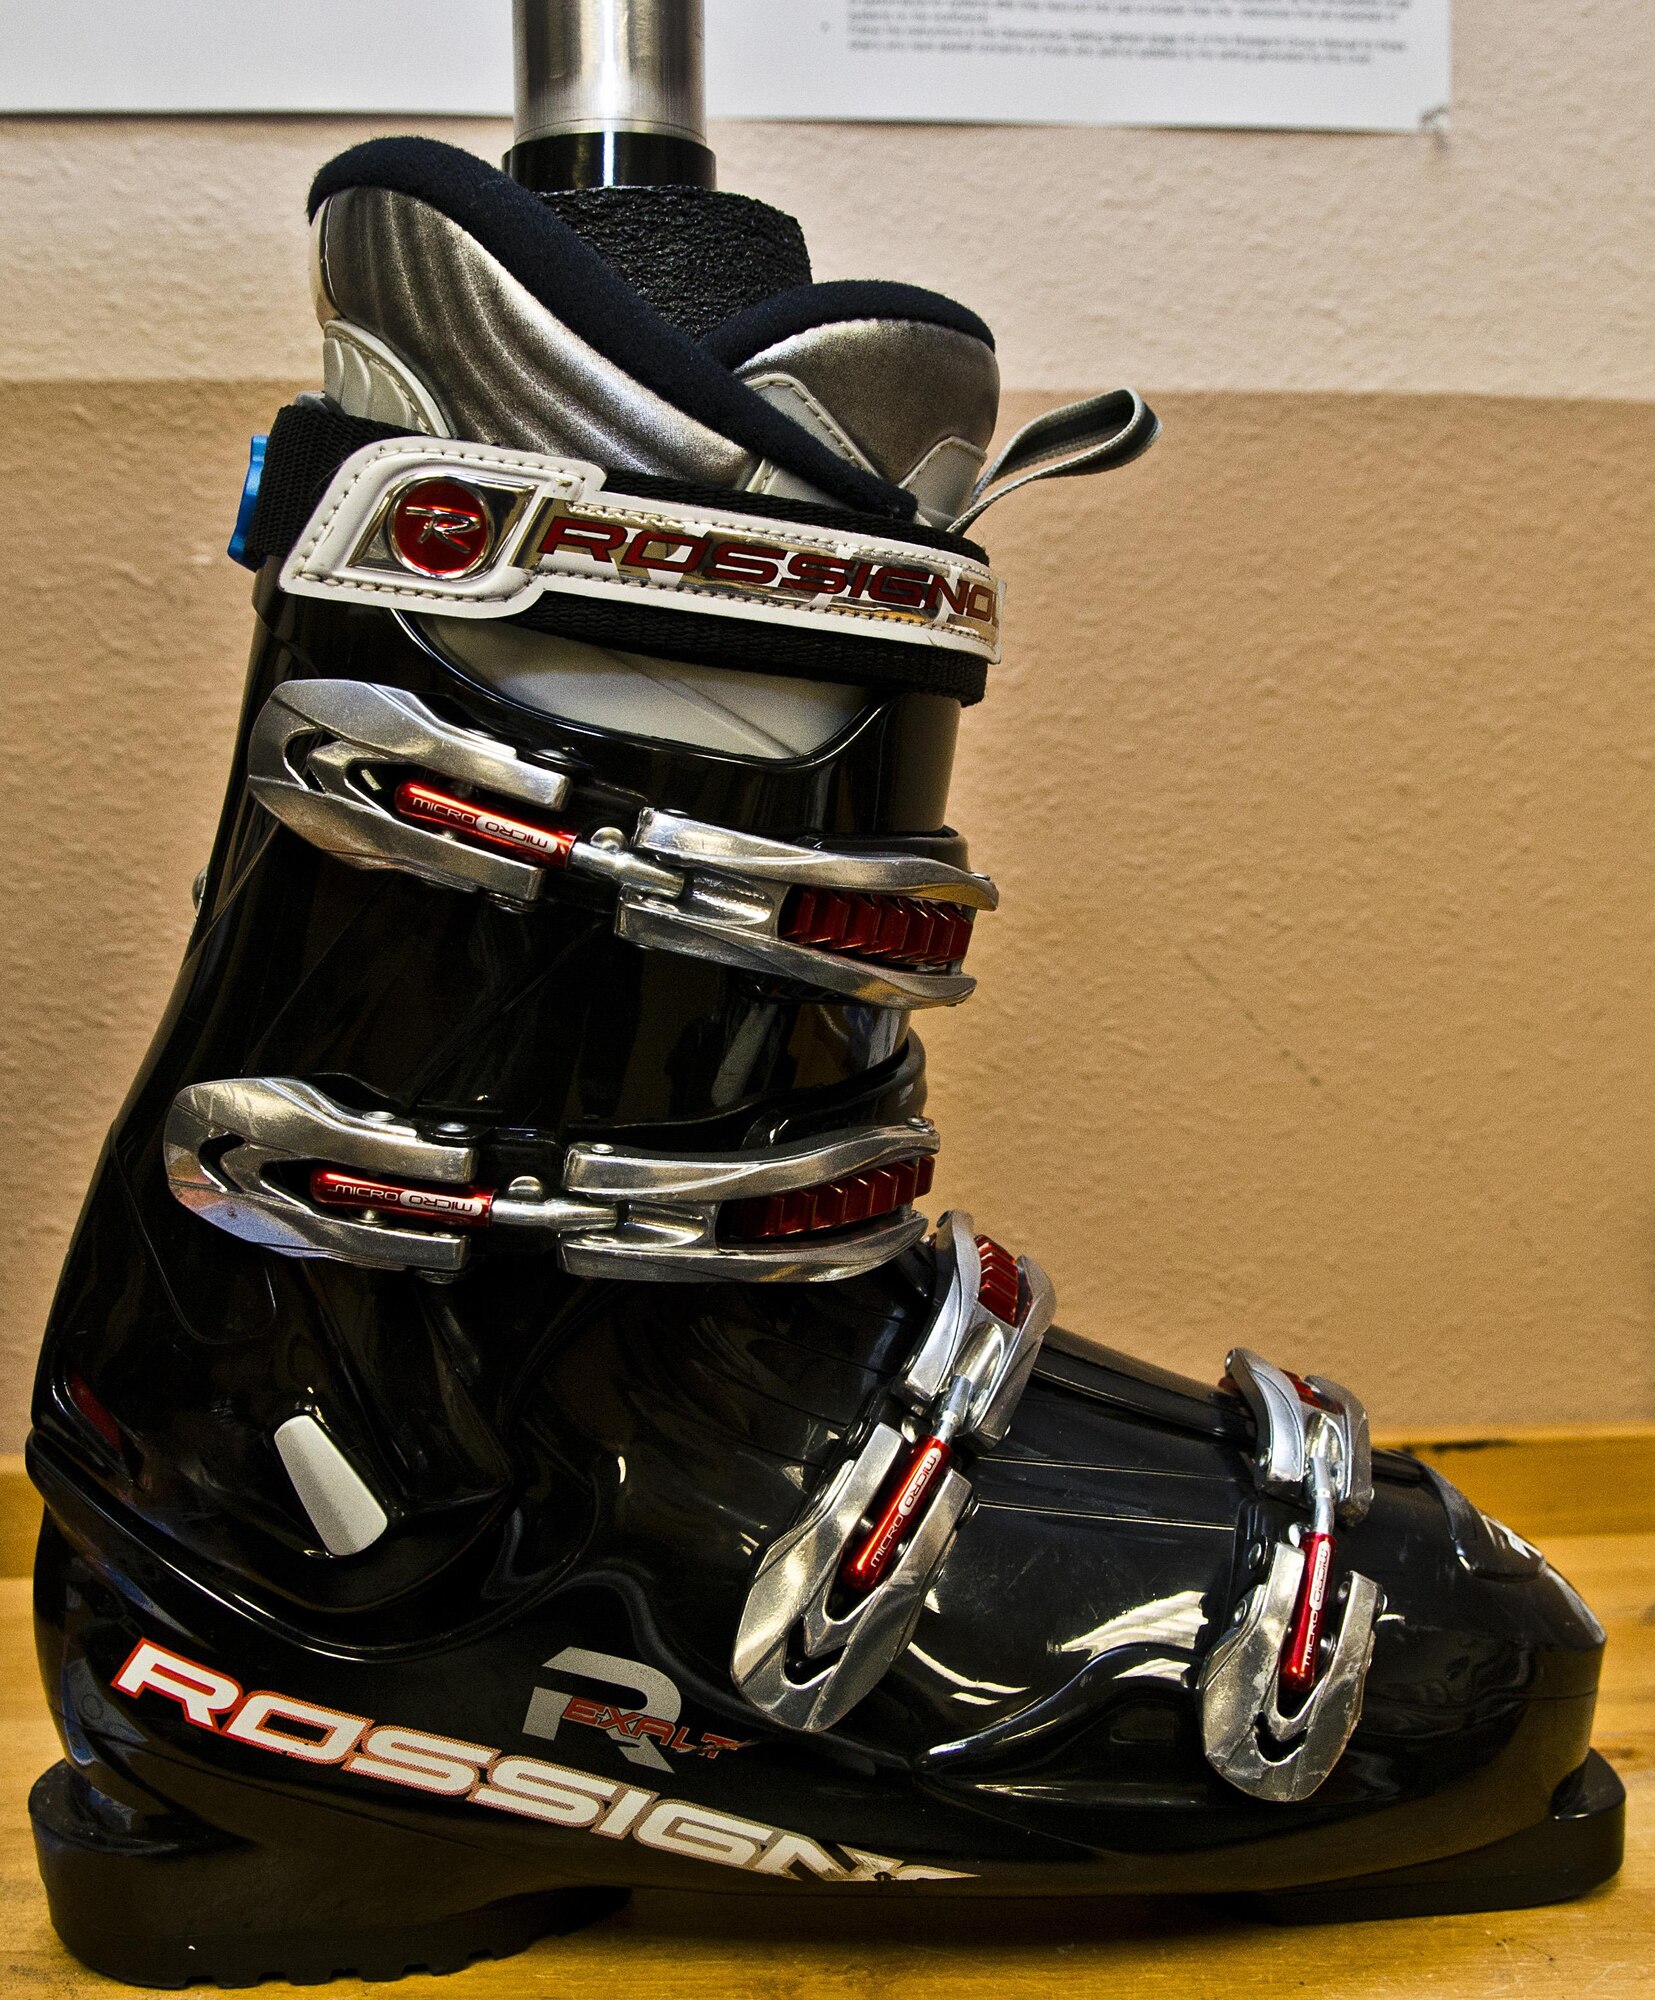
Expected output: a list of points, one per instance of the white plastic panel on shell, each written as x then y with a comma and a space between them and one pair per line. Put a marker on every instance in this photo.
667, 701
332, 1492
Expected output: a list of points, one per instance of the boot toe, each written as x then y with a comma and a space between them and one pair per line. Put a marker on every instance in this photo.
1486, 1660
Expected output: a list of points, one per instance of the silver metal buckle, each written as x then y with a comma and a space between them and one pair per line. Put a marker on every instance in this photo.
670, 1208
810, 1647
618, 1214
322, 758
1313, 1447
221, 1140
735, 885
312, 762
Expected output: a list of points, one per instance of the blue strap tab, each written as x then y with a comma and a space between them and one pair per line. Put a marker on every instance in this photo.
249, 500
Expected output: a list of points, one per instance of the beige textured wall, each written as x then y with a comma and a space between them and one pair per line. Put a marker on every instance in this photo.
1510, 258
1319, 779
1320, 784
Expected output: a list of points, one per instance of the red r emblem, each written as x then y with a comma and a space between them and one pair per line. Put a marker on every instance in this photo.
440, 528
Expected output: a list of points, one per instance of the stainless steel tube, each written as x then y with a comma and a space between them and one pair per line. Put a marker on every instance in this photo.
610, 66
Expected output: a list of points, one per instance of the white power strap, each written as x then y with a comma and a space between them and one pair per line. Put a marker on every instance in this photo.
478, 531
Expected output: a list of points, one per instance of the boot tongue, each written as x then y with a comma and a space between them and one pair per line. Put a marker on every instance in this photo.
900, 382
876, 381
699, 256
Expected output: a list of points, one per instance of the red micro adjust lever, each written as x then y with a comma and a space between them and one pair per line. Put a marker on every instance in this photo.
925, 1466
1301, 1655
470, 1208
550, 846
901, 931
1304, 1636
998, 1289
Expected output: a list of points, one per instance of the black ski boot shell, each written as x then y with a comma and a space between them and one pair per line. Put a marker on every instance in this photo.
507, 1433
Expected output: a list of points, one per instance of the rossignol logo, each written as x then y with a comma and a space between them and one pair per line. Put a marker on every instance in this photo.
484, 532
440, 528
478, 1775
614, 542
644, 1724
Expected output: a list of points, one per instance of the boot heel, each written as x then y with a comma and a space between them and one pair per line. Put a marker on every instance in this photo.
1577, 1847
166, 1901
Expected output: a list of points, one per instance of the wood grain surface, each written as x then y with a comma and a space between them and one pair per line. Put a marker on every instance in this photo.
1595, 1481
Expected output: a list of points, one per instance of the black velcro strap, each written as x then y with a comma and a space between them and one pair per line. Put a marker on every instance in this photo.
309, 441
308, 444
760, 649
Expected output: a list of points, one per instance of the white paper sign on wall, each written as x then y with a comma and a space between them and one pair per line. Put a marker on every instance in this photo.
1346, 65
1337, 65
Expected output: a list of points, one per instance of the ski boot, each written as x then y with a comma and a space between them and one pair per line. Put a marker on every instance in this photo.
508, 1433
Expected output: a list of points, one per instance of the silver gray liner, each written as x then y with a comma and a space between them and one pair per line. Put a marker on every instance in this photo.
503, 368
912, 402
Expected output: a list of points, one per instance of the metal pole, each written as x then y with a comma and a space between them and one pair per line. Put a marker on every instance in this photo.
610, 93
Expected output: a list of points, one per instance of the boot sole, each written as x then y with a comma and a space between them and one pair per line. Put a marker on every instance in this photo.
1570, 1853
185, 1907
177, 1910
